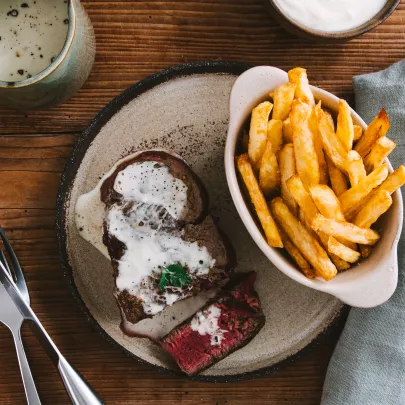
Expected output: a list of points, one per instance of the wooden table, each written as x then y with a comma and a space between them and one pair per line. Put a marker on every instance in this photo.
134, 39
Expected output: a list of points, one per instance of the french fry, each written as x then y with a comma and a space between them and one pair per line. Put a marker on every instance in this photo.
302, 197
298, 76
358, 132
304, 149
342, 251
275, 134
365, 251
329, 206
245, 140
287, 131
286, 162
296, 255
307, 245
377, 205
380, 150
377, 128
307, 213
338, 179
258, 132
330, 119
355, 168
313, 124
394, 181
345, 230
351, 199
262, 210
269, 175
331, 143
282, 98
326, 202
345, 131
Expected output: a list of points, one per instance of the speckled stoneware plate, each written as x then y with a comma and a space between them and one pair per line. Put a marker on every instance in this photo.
183, 109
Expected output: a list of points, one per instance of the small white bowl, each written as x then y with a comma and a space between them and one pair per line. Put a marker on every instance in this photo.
372, 281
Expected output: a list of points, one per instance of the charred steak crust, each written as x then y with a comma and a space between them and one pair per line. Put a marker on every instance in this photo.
197, 227
241, 318
197, 196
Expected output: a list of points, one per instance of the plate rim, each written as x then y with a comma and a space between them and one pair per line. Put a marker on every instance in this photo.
68, 176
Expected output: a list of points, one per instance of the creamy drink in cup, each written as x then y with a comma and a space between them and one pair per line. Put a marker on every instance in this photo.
47, 49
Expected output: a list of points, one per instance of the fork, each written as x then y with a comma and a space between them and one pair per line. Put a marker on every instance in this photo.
31, 392
79, 391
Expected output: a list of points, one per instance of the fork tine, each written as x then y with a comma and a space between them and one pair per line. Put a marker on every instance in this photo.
3, 260
18, 273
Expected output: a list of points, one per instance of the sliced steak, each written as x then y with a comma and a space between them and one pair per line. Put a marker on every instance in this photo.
226, 323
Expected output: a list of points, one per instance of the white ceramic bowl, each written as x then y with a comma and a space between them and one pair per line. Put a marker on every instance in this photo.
367, 284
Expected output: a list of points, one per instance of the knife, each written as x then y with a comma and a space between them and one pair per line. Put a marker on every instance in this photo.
12, 309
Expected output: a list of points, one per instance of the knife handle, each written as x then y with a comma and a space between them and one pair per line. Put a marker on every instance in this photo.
29, 384
79, 391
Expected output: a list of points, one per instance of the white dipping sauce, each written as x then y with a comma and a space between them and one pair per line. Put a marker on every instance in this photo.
32, 34
331, 15
206, 323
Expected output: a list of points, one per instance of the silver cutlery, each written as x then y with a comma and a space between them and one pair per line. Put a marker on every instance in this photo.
13, 320
14, 309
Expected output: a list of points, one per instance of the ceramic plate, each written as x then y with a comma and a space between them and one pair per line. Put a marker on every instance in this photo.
183, 109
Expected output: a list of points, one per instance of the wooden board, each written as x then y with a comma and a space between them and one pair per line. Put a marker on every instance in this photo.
135, 39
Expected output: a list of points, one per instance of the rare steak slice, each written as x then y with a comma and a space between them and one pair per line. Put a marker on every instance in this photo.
225, 324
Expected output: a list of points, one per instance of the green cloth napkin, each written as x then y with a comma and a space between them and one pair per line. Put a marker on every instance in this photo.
368, 365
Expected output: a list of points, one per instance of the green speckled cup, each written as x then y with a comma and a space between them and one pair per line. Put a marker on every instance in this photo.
65, 76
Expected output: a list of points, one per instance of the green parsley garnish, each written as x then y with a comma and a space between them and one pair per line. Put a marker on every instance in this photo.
174, 276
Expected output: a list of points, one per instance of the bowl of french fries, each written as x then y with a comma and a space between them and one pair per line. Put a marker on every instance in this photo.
313, 185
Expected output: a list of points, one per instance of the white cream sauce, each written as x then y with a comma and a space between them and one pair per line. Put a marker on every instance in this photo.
32, 35
206, 323
331, 15
148, 230
152, 242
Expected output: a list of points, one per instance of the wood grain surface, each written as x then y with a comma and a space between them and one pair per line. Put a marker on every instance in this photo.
134, 39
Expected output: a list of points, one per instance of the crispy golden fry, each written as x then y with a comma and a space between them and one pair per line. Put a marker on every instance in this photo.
365, 251
358, 132
329, 206
379, 203
313, 125
258, 132
287, 131
326, 202
269, 175
345, 131
394, 181
351, 199
260, 204
275, 134
345, 230
338, 179
342, 251
330, 119
331, 143
308, 246
355, 168
304, 149
307, 213
298, 76
297, 256
302, 197
377, 128
380, 150
245, 140
286, 162
283, 97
